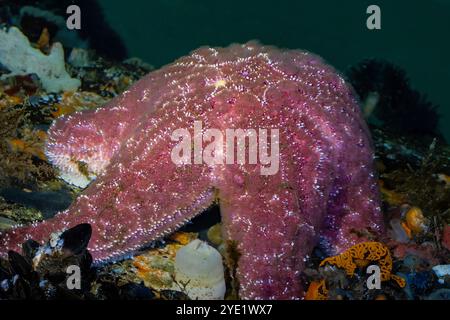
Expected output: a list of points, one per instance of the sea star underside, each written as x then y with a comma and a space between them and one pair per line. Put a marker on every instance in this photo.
324, 191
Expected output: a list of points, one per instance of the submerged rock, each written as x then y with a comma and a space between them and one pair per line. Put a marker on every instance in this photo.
47, 202
6, 223
440, 294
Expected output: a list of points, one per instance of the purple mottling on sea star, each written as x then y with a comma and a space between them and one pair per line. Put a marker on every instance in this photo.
324, 191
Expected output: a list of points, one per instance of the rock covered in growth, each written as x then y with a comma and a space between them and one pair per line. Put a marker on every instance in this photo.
324, 188
17, 55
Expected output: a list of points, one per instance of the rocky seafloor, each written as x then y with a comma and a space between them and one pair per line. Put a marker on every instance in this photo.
412, 161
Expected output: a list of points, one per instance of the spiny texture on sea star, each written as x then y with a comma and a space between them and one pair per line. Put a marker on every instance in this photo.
324, 189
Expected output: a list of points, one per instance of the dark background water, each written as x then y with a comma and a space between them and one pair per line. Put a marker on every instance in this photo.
414, 35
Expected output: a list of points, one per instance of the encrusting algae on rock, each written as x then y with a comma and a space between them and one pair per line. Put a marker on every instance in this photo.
34, 146
156, 267
190, 266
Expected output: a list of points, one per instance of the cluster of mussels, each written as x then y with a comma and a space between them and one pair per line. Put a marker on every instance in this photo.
42, 271
63, 269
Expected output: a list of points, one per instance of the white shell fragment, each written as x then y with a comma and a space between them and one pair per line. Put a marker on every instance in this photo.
442, 271
199, 271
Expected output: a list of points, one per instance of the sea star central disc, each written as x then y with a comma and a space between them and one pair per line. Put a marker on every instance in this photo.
323, 191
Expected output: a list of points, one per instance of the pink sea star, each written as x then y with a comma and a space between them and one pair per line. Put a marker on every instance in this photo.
324, 189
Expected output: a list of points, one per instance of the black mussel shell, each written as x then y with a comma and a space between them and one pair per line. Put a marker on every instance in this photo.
77, 239
29, 249
133, 291
19, 265
173, 295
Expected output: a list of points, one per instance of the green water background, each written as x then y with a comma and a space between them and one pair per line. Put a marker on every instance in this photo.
415, 35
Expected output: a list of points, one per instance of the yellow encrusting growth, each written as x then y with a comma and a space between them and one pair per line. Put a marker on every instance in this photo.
32, 144
390, 196
415, 222
317, 291
72, 102
362, 254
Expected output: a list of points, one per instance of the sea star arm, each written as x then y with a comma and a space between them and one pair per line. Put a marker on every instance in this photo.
353, 213
262, 219
141, 198
324, 186
82, 144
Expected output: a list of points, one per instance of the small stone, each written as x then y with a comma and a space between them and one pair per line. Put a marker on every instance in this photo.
441, 294
215, 234
6, 223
